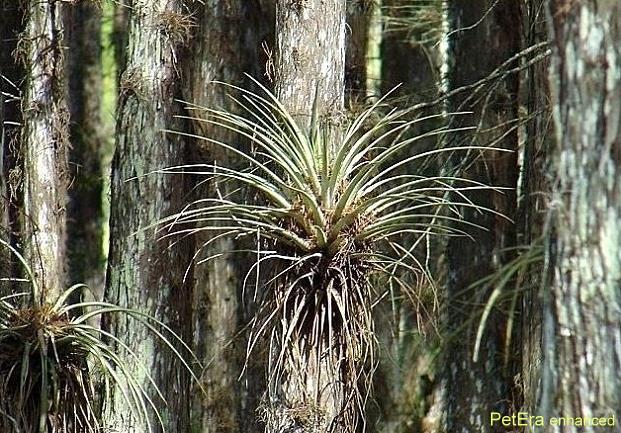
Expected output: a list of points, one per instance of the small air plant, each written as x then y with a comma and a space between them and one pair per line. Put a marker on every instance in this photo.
334, 215
175, 26
56, 369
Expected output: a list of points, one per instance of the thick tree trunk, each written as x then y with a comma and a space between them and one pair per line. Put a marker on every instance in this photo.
310, 56
45, 142
84, 231
143, 273
310, 71
475, 388
585, 355
217, 54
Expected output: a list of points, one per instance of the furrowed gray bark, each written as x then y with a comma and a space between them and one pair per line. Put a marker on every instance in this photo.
310, 56
475, 388
584, 356
45, 139
144, 272
309, 72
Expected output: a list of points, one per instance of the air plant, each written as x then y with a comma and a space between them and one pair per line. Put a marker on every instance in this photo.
56, 367
332, 216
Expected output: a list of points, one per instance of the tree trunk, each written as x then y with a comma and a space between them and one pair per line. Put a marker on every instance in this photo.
84, 232
310, 56
475, 388
535, 189
585, 355
143, 272
359, 13
217, 54
45, 142
310, 71
11, 71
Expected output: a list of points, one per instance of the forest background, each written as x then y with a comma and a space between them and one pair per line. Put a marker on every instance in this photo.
393, 216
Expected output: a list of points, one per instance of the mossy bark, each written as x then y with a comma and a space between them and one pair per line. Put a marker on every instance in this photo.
146, 273
583, 357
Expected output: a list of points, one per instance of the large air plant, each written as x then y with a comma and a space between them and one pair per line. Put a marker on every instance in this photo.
332, 215
57, 367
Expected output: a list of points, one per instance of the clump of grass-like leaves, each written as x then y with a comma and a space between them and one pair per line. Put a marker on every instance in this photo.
57, 368
502, 289
333, 215
420, 21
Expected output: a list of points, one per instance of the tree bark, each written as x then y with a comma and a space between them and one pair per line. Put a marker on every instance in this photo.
217, 54
475, 388
310, 72
84, 69
145, 273
584, 356
45, 141
310, 56
533, 213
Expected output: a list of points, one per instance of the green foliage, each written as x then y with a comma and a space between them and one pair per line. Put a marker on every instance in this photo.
333, 214
501, 283
55, 365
